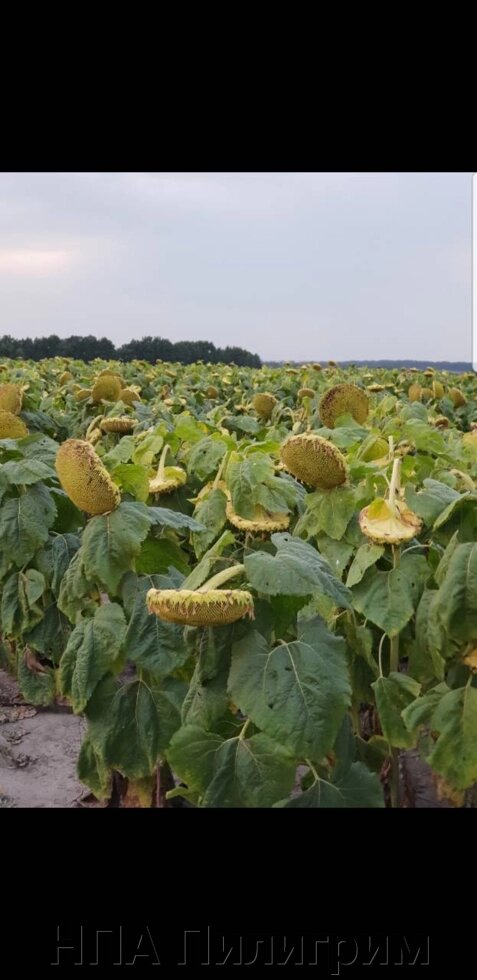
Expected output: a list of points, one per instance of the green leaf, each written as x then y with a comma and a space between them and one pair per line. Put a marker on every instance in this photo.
337, 553
296, 569
188, 430
393, 694
122, 452
25, 522
27, 471
424, 437
366, 556
150, 642
92, 650
68, 517
140, 722
211, 514
388, 599
50, 636
358, 788
4, 485
76, 589
202, 571
420, 711
254, 772
431, 501
111, 542
465, 500
191, 754
296, 692
359, 639
92, 771
20, 609
37, 689
455, 605
329, 511
171, 518
158, 554
205, 456
54, 560
455, 753
425, 663
244, 475
133, 479
207, 702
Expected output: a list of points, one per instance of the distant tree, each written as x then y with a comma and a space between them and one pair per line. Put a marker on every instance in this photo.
148, 349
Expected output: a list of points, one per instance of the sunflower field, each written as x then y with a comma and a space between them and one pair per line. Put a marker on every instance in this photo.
257, 586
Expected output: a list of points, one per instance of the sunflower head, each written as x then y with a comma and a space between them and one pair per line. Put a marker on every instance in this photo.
314, 460
343, 399
384, 523
264, 403
218, 607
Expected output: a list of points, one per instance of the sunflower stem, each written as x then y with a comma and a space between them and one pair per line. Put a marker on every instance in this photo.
221, 577
395, 483
162, 462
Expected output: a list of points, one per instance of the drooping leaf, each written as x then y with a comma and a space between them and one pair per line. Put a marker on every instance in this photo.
25, 522
92, 650
393, 694
150, 642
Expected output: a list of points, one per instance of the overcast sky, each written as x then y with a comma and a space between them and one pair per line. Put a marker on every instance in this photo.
288, 265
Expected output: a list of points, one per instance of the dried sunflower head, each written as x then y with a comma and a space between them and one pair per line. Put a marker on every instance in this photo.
314, 460
11, 427
11, 397
262, 520
343, 399
264, 403
172, 478
217, 607
118, 424
85, 479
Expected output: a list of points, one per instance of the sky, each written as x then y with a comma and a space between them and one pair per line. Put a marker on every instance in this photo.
292, 266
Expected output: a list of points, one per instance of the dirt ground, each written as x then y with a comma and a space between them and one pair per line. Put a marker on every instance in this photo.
38, 752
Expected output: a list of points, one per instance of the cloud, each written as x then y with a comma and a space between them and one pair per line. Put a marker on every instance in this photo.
305, 265
34, 262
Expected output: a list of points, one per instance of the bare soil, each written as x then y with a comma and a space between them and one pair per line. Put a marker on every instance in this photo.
38, 752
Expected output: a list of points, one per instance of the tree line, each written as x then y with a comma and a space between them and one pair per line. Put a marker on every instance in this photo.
148, 349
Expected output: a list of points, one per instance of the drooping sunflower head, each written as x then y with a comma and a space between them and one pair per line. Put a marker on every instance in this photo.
218, 607
85, 479
82, 394
384, 523
343, 399
172, 478
373, 447
414, 393
306, 393
121, 424
314, 460
11, 397
107, 388
65, 377
264, 403
457, 396
262, 521
11, 427
129, 396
